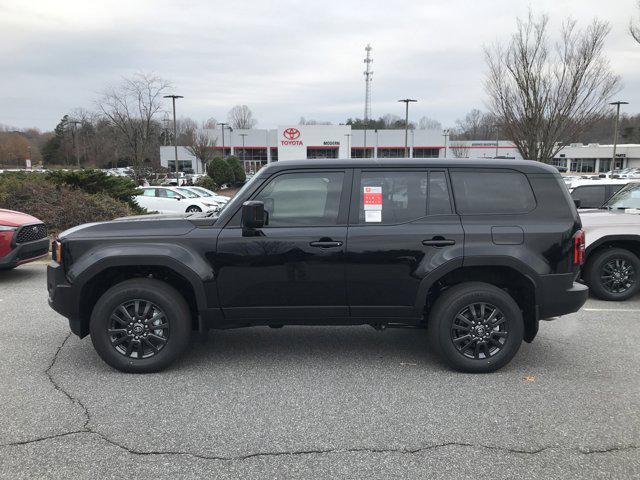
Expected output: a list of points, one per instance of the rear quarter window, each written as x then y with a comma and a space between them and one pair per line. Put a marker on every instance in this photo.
492, 192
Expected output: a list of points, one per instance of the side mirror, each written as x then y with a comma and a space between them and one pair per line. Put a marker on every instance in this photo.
253, 214
577, 202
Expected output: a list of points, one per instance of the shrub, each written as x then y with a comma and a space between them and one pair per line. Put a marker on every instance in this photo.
239, 175
97, 181
207, 182
220, 171
59, 206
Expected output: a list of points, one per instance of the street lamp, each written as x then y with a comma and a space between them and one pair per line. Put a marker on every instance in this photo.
364, 154
222, 125
445, 134
615, 134
348, 135
244, 164
75, 139
175, 133
406, 123
497, 127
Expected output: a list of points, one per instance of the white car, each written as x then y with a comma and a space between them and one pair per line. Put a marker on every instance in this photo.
206, 193
592, 193
171, 200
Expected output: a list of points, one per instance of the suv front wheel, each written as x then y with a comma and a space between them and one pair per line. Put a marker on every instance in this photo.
475, 327
140, 325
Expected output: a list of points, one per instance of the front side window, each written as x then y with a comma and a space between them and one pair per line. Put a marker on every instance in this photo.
149, 192
627, 197
492, 192
390, 197
302, 199
165, 193
187, 193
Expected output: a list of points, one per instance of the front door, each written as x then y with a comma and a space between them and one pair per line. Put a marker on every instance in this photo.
293, 268
402, 227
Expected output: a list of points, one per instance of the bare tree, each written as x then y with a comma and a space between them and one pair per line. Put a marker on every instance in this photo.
200, 145
542, 95
426, 123
131, 108
240, 117
459, 150
476, 125
634, 27
310, 121
210, 123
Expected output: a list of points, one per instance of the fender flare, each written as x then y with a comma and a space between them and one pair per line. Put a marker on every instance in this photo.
609, 238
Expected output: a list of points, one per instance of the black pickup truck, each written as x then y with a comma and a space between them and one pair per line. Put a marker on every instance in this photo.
474, 251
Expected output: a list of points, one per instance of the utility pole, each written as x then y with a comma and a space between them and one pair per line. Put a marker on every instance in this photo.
364, 154
615, 134
348, 135
222, 125
75, 139
368, 74
445, 134
244, 165
175, 134
406, 124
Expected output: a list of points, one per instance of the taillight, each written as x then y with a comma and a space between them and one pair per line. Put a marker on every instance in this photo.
6, 236
578, 248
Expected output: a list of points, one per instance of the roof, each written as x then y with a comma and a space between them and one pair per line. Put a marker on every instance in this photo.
526, 166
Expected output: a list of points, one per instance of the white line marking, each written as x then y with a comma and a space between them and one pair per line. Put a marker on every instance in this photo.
611, 309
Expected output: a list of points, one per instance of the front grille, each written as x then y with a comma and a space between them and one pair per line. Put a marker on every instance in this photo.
33, 254
30, 233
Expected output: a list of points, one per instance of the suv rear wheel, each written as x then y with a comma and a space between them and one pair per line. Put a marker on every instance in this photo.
476, 327
612, 274
140, 325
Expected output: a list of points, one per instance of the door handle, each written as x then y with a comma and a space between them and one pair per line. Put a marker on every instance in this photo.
326, 244
438, 242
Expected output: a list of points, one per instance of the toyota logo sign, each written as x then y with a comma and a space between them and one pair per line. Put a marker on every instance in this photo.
291, 133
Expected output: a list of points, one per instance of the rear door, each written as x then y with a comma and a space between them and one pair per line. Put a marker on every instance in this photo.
401, 228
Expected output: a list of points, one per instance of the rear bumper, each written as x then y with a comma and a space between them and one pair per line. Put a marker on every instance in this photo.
561, 295
64, 299
25, 252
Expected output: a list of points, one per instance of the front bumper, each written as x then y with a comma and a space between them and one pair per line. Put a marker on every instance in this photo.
64, 299
561, 295
25, 252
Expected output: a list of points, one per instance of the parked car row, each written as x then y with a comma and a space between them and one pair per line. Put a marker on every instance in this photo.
180, 199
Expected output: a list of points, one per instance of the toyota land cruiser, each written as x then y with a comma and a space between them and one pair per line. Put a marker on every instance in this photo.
474, 251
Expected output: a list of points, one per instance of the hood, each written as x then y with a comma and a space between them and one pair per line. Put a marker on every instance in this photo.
597, 218
137, 226
10, 218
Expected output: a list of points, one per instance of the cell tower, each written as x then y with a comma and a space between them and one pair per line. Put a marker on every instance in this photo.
368, 73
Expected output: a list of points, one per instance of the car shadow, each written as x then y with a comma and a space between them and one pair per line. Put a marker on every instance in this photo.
19, 274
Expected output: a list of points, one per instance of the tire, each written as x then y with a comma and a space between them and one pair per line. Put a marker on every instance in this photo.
606, 263
160, 345
193, 209
445, 325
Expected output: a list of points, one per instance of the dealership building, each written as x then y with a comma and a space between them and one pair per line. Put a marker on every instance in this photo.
258, 147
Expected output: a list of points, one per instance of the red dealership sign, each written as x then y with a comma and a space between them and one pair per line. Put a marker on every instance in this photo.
291, 134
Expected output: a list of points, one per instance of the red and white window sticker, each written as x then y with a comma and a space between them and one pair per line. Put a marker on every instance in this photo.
372, 204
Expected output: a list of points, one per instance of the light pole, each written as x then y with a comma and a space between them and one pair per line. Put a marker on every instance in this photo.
364, 153
445, 134
244, 164
175, 134
406, 123
615, 134
497, 127
222, 125
348, 135
75, 139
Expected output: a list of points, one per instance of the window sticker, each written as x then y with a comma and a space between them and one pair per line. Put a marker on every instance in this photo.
372, 198
371, 216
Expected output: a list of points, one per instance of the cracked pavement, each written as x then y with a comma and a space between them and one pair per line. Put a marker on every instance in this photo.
307, 402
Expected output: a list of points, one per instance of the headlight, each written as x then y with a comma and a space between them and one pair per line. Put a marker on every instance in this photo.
7, 228
210, 204
56, 251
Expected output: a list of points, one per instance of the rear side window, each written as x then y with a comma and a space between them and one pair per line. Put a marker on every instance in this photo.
388, 197
491, 192
149, 192
590, 196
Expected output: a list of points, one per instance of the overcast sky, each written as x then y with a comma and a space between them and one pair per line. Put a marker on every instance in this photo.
284, 59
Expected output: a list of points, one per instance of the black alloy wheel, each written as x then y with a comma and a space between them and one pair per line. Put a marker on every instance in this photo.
612, 274
138, 329
617, 276
479, 330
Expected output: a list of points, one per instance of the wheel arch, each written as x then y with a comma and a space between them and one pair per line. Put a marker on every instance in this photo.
628, 242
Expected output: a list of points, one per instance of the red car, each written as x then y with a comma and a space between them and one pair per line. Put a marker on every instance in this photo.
23, 238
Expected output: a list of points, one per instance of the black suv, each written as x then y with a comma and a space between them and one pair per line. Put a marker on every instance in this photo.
475, 251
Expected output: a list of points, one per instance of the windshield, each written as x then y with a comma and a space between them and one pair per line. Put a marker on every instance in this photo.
201, 191
187, 193
627, 197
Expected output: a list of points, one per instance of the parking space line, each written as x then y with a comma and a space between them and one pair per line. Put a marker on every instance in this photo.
611, 309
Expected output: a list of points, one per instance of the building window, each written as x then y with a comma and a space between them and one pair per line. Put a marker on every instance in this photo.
183, 165
605, 164
251, 153
274, 154
220, 153
583, 165
426, 152
558, 162
386, 152
322, 152
362, 152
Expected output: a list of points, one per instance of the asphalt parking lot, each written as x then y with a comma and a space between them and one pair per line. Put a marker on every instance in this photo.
343, 402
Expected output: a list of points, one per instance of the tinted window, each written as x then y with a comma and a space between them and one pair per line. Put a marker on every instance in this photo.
478, 192
164, 193
439, 202
296, 199
392, 197
590, 196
